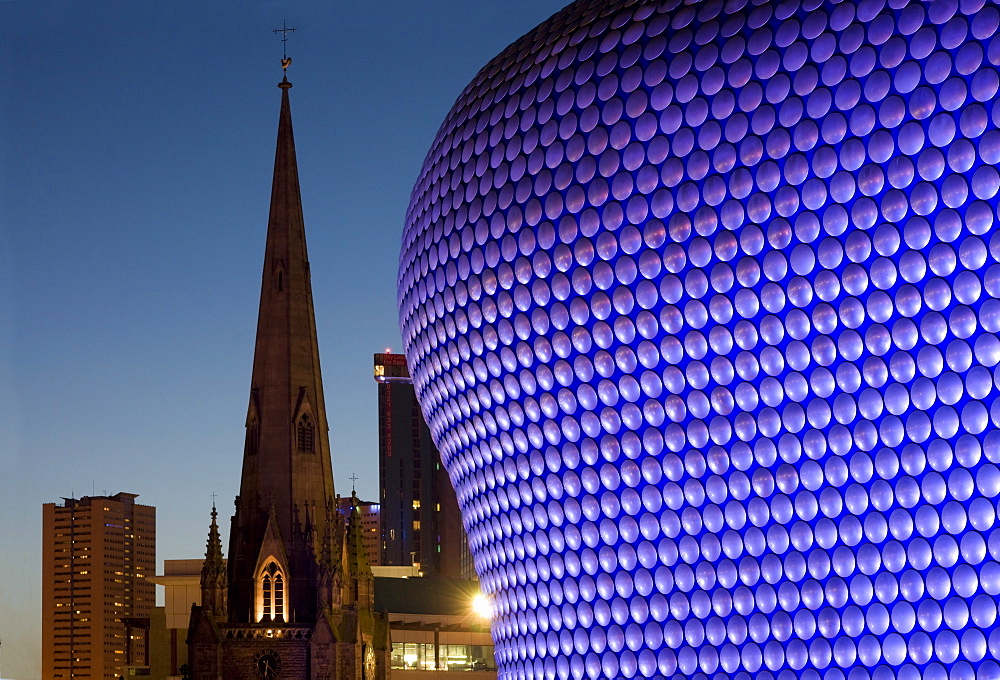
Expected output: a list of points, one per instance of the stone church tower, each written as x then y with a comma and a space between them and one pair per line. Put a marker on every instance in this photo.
296, 597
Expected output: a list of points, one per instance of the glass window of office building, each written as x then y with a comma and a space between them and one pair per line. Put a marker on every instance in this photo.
428, 657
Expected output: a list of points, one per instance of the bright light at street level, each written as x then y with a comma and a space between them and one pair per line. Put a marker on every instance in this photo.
481, 606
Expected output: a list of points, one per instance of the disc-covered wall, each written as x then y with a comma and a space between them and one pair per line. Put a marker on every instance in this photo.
700, 302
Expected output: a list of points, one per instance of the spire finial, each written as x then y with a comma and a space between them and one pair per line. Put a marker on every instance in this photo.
353, 479
284, 31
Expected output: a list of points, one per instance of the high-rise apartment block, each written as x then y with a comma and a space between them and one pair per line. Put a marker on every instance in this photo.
419, 511
98, 553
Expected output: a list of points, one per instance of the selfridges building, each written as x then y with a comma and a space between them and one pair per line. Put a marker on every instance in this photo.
700, 301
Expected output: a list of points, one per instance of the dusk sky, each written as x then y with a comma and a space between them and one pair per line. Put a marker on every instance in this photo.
136, 150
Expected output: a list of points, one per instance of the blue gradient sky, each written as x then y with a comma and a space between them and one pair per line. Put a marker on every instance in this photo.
136, 146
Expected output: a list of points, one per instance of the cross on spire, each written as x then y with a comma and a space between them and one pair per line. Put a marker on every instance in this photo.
284, 31
353, 479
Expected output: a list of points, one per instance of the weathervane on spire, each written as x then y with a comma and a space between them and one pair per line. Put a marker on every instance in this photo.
286, 61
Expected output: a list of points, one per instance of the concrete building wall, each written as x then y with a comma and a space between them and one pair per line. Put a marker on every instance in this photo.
181, 581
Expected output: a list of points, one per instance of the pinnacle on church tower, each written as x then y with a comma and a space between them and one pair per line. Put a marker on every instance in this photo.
214, 583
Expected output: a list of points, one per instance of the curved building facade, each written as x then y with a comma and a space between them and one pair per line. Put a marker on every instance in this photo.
701, 306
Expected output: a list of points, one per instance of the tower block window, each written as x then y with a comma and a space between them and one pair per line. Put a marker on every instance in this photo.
306, 434
271, 593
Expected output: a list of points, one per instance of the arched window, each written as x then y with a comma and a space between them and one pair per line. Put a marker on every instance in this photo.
305, 434
279, 598
268, 587
271, 593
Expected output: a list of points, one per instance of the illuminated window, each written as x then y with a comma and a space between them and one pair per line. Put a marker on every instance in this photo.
271, 593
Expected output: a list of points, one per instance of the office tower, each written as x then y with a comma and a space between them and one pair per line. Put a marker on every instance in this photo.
98, 553
420, 519
294, 598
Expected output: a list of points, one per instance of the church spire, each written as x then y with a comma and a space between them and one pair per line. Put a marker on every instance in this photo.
286, 461
286, 567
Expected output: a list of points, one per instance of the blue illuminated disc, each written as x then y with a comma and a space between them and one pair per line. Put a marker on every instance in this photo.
701, 305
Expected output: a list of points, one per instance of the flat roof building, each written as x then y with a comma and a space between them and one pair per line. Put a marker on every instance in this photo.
421, 523
98, 553
437, 624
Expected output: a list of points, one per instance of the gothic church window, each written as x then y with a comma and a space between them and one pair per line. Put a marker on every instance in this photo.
305, 434
271, 593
